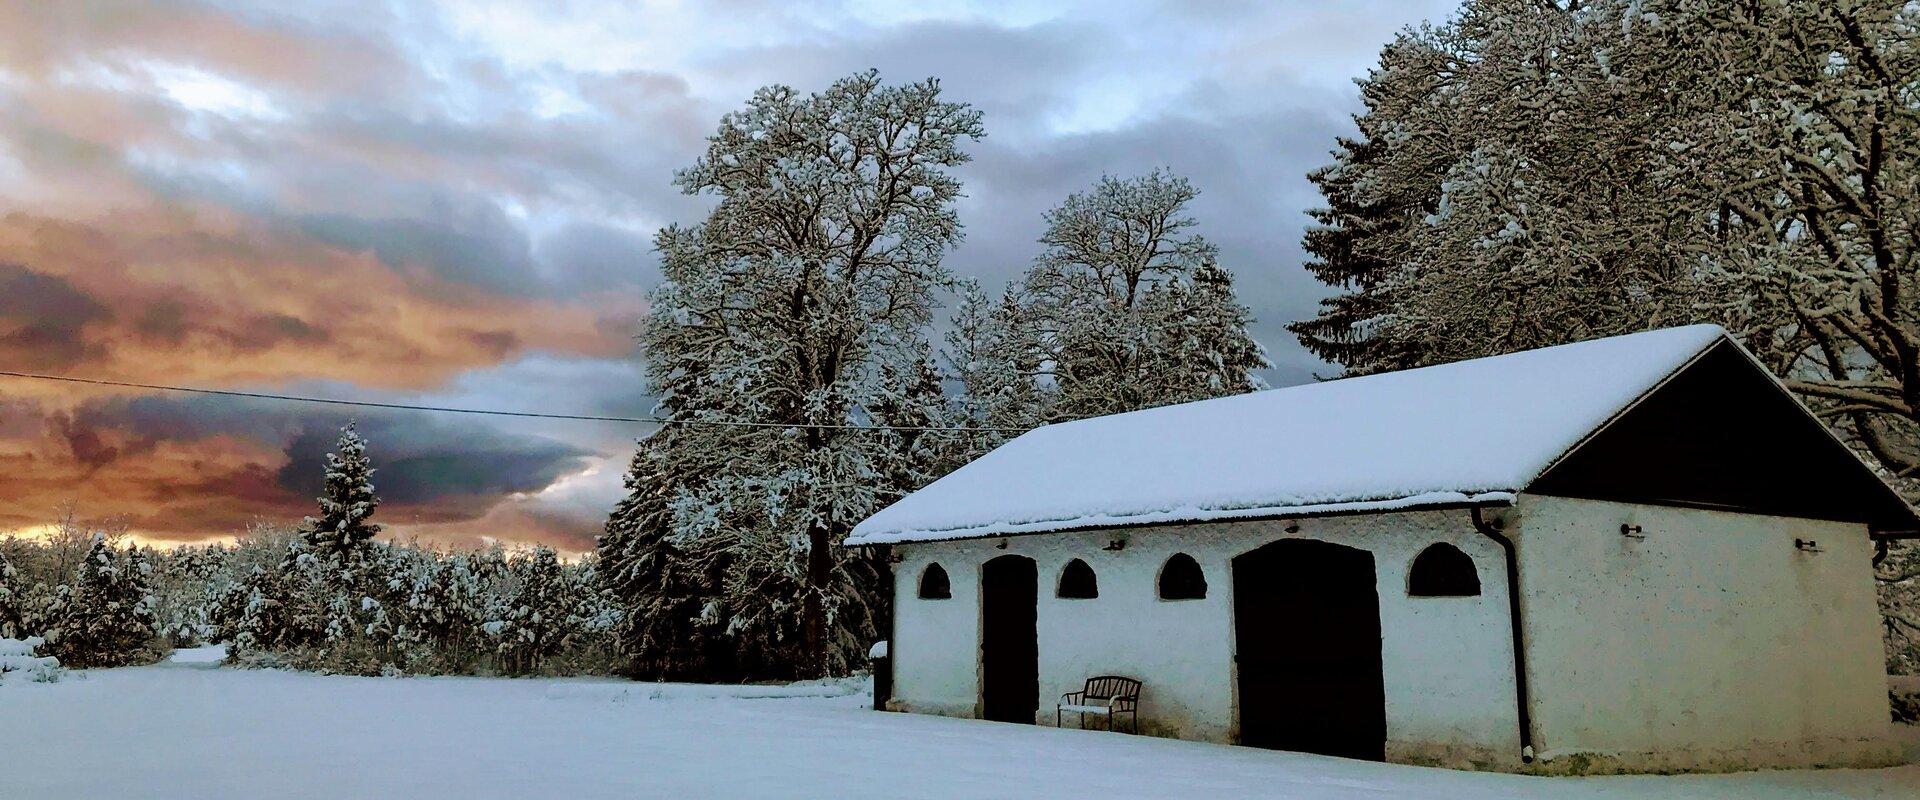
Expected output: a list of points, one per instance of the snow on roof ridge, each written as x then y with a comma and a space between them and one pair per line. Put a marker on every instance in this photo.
1439, 435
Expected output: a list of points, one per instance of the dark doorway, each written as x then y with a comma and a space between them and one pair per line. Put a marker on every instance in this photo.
1307, 643
1009, 647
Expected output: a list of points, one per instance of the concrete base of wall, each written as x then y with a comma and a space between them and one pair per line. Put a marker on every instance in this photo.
1822, 754
1819, 754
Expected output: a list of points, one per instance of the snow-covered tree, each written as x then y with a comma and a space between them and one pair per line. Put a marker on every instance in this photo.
1125, 308
346, 503
537, 619
665, 630
106, 613
821, 258
187, 582
911, 405
1503, 194
1107, 292
12, 600
1534, 173
994, 351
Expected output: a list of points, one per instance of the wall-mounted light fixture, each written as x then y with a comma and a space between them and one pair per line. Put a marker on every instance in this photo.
1632, 531
1002, 544
1115, 545
1807, 545
1293, 527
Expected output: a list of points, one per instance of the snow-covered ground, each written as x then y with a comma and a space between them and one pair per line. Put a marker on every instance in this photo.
190, 729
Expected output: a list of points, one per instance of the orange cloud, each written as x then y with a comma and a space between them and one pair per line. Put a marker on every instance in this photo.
175, 296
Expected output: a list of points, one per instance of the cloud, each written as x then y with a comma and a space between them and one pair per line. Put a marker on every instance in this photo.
188, 465
452, 202
41, 318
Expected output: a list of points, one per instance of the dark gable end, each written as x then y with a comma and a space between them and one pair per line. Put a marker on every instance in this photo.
1721, 433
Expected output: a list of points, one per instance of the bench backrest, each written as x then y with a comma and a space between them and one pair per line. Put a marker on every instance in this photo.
1109, 686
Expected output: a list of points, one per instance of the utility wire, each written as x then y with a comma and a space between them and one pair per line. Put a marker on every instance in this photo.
494, 412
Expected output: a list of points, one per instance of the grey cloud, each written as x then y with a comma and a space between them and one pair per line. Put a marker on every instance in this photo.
42, 317
423, 460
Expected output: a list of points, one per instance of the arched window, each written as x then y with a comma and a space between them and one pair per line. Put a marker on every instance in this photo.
934, 584
1077, 582
1181, 579
1442, 570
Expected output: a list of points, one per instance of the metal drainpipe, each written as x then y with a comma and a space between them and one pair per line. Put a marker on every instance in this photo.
1492, 531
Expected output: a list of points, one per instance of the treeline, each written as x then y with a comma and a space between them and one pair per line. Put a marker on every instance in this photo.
100, 602
322, 595
1528, 174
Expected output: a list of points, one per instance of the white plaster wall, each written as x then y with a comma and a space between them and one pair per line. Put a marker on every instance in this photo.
1713, 643
1447, 662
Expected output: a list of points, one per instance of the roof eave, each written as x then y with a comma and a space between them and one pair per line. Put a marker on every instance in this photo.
1489, 499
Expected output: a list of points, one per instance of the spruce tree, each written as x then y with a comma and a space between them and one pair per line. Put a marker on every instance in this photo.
12, 600
346, 503
106, 614
537, 619
911, 400
666, 629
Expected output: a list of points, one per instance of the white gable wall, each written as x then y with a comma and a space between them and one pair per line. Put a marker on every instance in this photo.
1713, 643
1447, 661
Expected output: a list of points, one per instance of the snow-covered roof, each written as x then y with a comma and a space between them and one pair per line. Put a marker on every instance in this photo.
1474, 431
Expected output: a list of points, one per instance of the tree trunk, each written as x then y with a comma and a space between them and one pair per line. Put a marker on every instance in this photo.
813, 608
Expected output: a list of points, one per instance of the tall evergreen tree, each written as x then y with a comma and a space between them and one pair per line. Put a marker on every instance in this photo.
909, 404
346, 503
666, 629
12, 600
994, 351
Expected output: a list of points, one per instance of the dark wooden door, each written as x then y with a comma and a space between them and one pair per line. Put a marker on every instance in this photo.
1307, 646
1009, 647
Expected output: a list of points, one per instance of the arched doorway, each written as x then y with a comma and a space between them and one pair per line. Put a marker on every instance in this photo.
1307, 643
1009, 645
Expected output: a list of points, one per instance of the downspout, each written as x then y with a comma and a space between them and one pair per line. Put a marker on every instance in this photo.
1491, 530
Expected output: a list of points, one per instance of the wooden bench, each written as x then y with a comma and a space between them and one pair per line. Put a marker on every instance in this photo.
1108, 696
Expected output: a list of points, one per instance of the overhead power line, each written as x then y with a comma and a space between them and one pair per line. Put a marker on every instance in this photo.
495, 412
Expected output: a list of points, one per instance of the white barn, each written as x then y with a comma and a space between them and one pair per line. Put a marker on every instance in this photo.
1676, 551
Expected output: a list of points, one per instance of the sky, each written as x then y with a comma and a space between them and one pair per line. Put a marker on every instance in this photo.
451, 203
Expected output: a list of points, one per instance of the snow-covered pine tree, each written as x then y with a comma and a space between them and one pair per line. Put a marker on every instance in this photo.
12, 600
821, 257
440, 606
910, 397
106, 614
184, 590
1201, 345
667, 627
995, 353
346, 503
1113, 289
537, 620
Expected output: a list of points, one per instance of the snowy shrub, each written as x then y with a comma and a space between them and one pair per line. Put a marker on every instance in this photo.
47, 671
